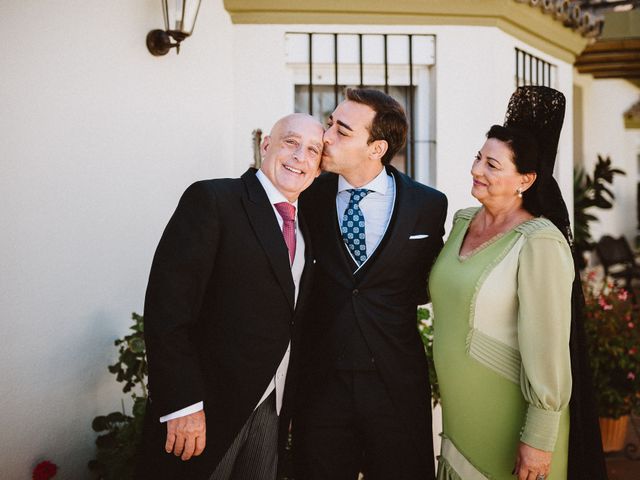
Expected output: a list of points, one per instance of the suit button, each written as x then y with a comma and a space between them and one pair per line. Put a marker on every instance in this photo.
355, 292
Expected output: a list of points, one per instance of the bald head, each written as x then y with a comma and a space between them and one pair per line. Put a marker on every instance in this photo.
295, 120
291, 154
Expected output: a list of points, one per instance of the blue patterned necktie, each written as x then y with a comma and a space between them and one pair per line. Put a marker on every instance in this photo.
353, 226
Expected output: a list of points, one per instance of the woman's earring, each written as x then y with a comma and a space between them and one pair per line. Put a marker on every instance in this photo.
519, 192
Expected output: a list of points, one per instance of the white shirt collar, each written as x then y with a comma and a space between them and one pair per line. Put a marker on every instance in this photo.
274, 195
378, 184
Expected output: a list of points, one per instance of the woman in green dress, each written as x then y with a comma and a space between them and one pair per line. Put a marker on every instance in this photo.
502, 292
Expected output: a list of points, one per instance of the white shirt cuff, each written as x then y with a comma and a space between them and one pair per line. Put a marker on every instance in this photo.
196, 407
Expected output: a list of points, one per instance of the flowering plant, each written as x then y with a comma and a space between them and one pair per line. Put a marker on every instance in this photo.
44, 470
613, 338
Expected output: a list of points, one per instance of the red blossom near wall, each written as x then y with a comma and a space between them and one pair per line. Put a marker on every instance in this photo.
44, 470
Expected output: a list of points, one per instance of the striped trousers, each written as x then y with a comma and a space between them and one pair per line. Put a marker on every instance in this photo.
253, 454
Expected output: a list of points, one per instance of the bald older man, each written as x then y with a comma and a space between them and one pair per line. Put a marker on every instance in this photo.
229, 279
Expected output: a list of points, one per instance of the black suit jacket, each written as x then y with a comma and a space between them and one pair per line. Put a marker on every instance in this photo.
383, 295
219, 314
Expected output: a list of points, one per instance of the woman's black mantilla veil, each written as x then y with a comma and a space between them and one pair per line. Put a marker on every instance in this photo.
540, 111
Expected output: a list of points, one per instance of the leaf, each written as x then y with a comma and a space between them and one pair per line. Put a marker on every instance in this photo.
137, 345
107, 441
99, 423
116, 417
604, 204
139, 407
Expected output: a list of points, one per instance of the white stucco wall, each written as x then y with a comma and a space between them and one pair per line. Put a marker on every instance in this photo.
98, 138
475, 78
604, 102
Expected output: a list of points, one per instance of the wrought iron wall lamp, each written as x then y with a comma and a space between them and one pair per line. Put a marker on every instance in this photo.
179, 20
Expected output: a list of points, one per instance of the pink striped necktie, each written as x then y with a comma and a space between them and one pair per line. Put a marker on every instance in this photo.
288, 214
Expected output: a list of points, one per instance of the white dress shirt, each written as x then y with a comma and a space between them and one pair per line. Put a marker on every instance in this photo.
279, 378
376, 207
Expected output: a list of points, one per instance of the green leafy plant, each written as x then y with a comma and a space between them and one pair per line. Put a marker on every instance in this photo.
613, 338
425, 327
120, 433
591, 191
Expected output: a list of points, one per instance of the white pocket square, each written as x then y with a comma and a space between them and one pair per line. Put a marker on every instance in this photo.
418, 237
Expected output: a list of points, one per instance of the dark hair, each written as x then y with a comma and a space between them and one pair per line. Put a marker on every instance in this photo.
524, 149
390, 122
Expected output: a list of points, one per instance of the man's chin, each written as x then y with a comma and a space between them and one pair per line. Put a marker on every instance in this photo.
325, 167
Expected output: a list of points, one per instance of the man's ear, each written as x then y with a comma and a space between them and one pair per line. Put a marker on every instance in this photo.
266, 141
377, 149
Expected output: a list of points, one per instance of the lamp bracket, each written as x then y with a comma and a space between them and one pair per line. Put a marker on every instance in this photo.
159, 42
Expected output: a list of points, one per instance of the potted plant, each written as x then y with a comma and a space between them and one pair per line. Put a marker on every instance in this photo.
591, 191
613, 336
120, 433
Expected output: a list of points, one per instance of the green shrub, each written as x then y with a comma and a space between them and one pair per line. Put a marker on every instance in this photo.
120, 433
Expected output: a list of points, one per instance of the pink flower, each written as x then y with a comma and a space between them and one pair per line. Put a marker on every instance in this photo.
630, 325
631, 376
623, 295
603, 304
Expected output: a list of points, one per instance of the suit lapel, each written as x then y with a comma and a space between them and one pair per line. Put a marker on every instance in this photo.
336, 249
403, 220
265, 225
305, 283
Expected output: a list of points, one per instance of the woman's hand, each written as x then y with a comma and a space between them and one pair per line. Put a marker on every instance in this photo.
531, 463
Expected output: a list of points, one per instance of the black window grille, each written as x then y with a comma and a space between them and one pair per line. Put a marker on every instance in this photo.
368, 60
532, 70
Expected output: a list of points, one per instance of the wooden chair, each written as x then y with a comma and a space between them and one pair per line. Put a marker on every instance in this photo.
618, 260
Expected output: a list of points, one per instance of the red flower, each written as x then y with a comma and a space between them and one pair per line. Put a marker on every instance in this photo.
44, 470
